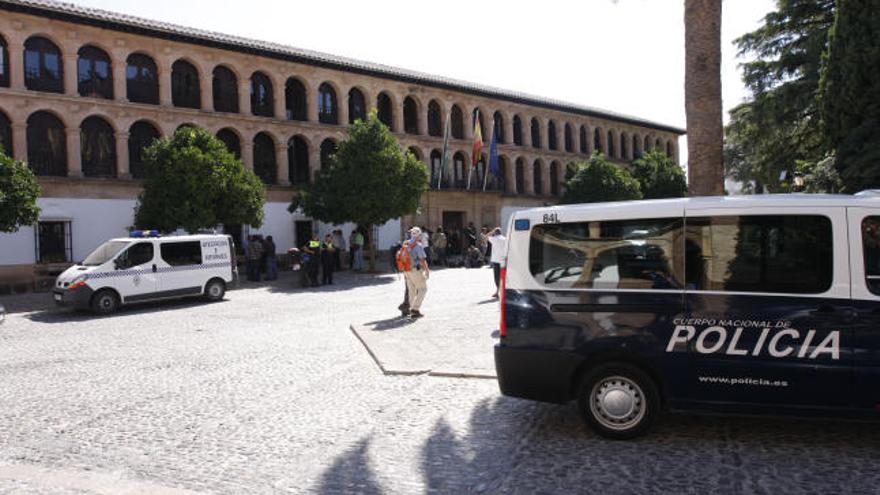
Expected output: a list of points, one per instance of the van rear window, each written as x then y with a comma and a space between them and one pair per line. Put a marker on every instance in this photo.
181, 253
760, 253
631, 254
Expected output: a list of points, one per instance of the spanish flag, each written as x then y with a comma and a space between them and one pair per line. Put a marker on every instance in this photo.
478, 140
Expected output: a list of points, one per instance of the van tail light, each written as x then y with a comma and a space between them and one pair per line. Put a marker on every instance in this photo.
503, 329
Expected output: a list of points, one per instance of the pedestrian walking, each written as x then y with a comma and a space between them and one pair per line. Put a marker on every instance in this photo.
357, 250
254, 256
328, 260
498, 256
413, 263
271, 259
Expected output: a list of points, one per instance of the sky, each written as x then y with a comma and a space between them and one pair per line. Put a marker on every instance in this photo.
626, 56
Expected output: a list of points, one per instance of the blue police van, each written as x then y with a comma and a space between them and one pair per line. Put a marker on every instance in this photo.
750, 304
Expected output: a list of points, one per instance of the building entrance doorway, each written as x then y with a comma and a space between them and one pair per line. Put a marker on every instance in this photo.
302, 229
453, 223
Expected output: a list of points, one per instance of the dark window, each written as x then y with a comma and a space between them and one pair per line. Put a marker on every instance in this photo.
298, 160
554, 179
611, 148
457, 124
140, 135
415, 152
94, 76
584, 142
570, 170
357, 106
538, 178
185, 91
295, 100
624, 152
225, 90
98, 147
760, 253
436, 173
142, 79
551, 135
328, 149
569, 139
498, 127
517, 131
460, 170
647, 146
501, 180
46, 144
385, 110
479, 173
435, 121
6, 134
4, 63
669, 149
181, 253
520, 176
629, 254
637, 147
43, 70
658, 145
262, 101
327, 105
536, 134
410, 116
871, 248
597, 140
136, 255
264, 158
54, 242
230, 139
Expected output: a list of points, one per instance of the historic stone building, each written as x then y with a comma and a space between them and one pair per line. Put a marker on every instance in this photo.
83, 91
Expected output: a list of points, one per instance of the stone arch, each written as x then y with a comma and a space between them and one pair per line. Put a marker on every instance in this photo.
296, 99
411, 115
435, 119
232, 139
552, 142
437, 176
568, 138
141, 134
584, 139
328, 103
328, 149
98, 147
143, 87
298, 149
456, 124
262, 95
43, 76
520, 176
186, 87
416, 152
46, 143
265, 159
385, 105
94, 69
538, 177
624, 146
554, 178
357, 104
535, 130
498, 127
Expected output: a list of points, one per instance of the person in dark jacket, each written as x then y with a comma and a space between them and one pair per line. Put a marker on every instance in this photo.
328, 259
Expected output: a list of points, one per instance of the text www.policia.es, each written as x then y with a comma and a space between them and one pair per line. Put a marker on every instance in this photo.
758, 382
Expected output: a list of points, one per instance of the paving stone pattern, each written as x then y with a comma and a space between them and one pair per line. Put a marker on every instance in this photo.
270, 392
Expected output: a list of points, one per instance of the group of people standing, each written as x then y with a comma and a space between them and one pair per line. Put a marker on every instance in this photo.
323, 258
261, 258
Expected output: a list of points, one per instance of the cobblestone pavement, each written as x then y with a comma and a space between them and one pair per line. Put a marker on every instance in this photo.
269, 392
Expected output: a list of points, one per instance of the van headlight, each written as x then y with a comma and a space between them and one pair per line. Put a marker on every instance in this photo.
78, 282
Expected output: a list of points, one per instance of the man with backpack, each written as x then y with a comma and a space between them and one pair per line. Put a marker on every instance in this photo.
411, 260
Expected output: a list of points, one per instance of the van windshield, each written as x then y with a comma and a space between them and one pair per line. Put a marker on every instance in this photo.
104, 253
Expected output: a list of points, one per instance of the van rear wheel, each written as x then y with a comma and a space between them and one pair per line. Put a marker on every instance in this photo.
215, 289
105, 302
618, 400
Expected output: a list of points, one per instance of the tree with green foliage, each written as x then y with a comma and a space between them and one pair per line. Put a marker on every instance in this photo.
821, 176
369, 181
193, 182
850, 92
779, 126
19, 191
659, 176
598, 180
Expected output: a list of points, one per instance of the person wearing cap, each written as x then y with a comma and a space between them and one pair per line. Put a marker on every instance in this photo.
417, 276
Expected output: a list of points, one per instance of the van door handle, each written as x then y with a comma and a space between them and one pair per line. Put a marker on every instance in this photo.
155, 269
824, 309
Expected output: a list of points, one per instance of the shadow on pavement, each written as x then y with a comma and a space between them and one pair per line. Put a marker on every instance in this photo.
390, 323
351, 473
289, 282
66, 315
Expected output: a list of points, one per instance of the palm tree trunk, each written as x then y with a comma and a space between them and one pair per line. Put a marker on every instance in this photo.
702, 95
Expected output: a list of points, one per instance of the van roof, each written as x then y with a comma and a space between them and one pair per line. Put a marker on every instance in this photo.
865, 198
187, 237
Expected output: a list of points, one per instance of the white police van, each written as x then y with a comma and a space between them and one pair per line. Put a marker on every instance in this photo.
146, 267
755, 304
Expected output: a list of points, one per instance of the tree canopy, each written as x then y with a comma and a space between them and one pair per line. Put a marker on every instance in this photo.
193, 182
19, 191
598, 180
850, 93
779, 126
659, 176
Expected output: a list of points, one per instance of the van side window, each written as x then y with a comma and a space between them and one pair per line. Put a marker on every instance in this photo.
630, 254
138, 254
759, 253
181, 253
871, 248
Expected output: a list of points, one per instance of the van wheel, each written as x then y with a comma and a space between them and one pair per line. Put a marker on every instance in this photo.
215, 289
618, 400
105, 302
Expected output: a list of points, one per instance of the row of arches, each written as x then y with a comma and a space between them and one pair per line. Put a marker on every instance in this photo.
44, 71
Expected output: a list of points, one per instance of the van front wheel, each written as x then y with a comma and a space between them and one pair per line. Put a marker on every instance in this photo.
215, 289
105, 302
618, 400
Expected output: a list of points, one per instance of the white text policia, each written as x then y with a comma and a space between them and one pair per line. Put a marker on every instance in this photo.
783, 342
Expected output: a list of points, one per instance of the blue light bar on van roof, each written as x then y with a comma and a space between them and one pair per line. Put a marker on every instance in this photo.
521, 224
144, 233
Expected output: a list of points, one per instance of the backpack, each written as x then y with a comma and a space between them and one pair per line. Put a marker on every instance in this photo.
403, 259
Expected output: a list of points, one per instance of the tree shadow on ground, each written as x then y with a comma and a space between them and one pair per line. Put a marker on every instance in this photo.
351, 473
67, 315
291, 283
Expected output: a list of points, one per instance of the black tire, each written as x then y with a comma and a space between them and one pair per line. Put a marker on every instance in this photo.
215, 289
105, 302
618, 400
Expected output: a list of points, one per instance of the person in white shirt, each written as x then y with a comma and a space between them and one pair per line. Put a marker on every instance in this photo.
498, 256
